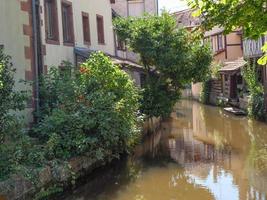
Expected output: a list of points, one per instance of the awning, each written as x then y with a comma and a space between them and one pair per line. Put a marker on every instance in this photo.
233, 66
85, 53
124, 62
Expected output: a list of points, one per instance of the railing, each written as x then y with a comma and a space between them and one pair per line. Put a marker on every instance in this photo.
252, 48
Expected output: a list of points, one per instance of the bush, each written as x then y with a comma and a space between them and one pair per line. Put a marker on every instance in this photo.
158, 100
91, 110
10, 99
12, 138
205, 93
256, 108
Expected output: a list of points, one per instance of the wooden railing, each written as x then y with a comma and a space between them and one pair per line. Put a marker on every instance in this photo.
252, 48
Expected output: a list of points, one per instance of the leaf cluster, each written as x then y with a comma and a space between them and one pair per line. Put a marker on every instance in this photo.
92, 110
171, 56
10, 100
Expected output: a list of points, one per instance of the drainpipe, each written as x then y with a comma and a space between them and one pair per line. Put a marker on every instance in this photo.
37, 53
126, 52
157, 3
144, 6
115, 42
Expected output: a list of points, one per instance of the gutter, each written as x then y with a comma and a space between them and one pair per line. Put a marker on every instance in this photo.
157, 7
37, 53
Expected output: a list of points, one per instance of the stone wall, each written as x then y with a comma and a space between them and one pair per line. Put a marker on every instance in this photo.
18, 187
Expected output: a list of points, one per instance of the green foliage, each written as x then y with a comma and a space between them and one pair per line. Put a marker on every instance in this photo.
250, 15
205, 93
256, 107
93, 110
214, 68
46, 193
171, 56
10, 99
90, 111
158, 100
13, 142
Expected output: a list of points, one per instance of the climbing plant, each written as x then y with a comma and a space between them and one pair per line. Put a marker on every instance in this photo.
256, 107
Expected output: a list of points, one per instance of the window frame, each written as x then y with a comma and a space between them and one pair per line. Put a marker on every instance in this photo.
100, 37
87, 41
68, 4
220, 45
55, 39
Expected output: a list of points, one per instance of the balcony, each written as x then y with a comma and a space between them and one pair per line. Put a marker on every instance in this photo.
252, 48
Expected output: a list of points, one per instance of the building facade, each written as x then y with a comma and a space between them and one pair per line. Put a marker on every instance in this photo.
38, 34
75, 23
134, 8
226, 49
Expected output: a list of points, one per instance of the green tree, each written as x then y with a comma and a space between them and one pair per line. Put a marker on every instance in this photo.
171, 56
250, 15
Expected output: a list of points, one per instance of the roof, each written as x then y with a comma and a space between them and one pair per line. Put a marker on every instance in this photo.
186, 19
214, 31
120, 61
85, 53
233, 65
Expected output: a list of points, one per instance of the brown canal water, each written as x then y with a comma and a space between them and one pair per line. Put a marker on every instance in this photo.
200, 153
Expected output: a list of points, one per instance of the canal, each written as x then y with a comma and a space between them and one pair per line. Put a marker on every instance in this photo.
200, 152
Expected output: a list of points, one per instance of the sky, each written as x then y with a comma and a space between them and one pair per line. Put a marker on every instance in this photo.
172, 5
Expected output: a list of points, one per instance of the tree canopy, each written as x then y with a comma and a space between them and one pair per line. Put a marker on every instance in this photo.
250, 15
171, 56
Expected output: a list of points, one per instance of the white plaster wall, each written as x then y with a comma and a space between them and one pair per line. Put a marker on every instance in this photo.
55, 54
121, 7
11, 36
136, 8
151, 6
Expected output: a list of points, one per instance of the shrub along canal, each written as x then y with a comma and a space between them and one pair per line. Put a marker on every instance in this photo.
200, 152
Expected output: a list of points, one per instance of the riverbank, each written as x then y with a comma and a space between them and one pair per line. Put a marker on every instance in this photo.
56, 176
48, 180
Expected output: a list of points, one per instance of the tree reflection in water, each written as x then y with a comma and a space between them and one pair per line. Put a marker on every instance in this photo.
200, 152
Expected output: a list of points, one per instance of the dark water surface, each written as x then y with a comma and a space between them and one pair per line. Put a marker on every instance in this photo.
200, 153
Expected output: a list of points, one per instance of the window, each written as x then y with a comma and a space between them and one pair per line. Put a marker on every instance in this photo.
100, 29
226, 78
220, 42
212, 44
67, 23
86, 28
51, 21
112, 1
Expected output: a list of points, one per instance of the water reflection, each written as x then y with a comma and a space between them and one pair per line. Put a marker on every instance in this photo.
199, 153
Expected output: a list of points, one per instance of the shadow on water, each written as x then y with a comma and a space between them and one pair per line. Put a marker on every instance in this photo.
200, 152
